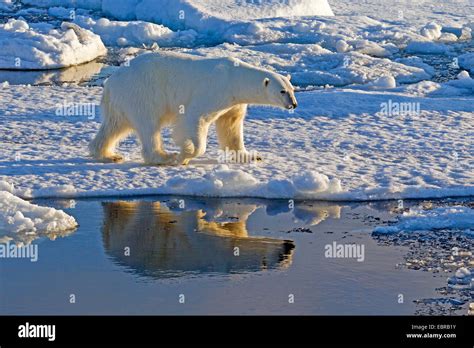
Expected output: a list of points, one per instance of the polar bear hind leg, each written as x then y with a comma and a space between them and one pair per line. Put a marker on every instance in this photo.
110, 133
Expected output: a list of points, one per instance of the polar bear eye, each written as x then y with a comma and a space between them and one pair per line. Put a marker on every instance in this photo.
283, 92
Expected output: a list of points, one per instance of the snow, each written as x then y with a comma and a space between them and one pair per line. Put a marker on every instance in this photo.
462, 33
462, 86
6, 5
87, 4
310, 64
186, 23
215, 16
463, 75
384, 82
136, 33
419, 219
338, 145
20, 216
40, 46
466, 61
432, 31
461, 280
60, 12
201, 15
419, 47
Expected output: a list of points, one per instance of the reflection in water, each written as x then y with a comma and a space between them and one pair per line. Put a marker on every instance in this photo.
27, 238
75, 74
23, 238
165, 241
309, 214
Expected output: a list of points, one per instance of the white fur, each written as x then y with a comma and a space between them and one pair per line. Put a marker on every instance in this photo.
188, 93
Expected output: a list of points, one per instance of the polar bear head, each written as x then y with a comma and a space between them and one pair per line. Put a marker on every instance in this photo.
256, 85
279, 91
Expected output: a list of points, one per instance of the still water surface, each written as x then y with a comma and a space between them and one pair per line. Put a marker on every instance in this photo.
218, 256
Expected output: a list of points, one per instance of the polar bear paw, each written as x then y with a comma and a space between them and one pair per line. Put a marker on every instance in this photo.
254, 156
114, 158
248, 156
161, 159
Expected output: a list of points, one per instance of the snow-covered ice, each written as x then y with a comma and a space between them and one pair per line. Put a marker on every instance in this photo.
6, 5
340, 144
419, 219
40, 46
20, 216
466, 61
420, 47
88, 4
215, 16
390, 133
212, 17
136, 33
463, 85
311, 64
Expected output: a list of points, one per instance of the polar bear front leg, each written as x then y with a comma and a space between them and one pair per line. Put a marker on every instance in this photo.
230, 133
191, 137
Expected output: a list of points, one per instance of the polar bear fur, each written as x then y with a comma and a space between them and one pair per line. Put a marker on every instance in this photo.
188, 93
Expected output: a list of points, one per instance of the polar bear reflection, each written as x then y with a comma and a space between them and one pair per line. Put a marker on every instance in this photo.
166, 242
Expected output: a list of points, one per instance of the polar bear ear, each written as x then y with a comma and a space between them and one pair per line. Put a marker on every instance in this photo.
288, 77
266, 82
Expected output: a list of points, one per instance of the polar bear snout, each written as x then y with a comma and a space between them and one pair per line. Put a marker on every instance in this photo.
292, 103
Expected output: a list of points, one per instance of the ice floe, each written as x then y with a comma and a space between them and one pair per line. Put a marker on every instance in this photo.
41, 46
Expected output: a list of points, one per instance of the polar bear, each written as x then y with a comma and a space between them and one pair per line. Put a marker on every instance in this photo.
188, 93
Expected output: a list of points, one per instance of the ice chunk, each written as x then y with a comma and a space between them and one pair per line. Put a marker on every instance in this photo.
315, 65
463, 273
383, 82
432, 31
371, 48
18, 215
342, 46
207, 15
418, 219
40, 46
463, 75
136, 33
466, 61
422, 47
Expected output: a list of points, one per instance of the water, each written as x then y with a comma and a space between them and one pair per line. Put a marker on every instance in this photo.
224, 256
